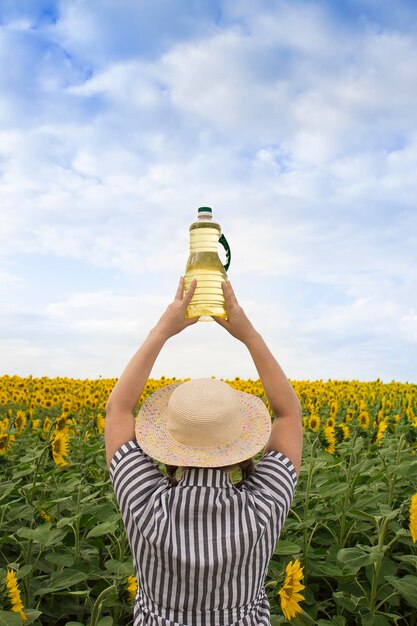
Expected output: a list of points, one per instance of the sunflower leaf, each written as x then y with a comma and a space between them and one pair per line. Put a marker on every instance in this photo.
9, 618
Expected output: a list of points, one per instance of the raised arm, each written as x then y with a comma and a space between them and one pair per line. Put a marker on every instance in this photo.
120, 421
286, 433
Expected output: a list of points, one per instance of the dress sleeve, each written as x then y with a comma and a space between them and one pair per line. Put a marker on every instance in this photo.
275, 476
134, 475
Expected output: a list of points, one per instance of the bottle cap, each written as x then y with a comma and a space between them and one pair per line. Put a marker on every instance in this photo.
204, 211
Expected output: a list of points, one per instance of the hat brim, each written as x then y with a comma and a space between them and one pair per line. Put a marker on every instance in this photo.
152, 436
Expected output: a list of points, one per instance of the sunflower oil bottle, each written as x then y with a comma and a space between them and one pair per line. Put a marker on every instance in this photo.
205, 265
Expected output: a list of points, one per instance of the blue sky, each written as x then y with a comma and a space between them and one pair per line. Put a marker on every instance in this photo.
295, 121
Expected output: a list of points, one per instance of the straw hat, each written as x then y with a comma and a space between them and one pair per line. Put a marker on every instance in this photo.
203, 422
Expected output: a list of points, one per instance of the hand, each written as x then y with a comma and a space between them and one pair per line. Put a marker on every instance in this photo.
173, 320
237, 323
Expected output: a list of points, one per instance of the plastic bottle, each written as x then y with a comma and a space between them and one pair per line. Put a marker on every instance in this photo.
205, 265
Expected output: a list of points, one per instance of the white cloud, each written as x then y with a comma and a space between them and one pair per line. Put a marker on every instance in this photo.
381, 317
297, 129
96, 333
131, 84
9, 280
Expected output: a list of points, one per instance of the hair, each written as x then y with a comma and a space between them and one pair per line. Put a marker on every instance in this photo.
246, 468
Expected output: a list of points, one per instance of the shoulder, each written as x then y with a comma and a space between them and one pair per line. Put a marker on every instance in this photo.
130, 462
275, 476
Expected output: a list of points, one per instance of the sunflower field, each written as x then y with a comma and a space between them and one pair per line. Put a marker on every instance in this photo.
346, 556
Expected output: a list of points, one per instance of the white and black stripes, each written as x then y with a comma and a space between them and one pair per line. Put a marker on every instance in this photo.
201, 549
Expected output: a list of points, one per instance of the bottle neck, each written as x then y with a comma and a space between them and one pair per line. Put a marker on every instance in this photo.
205, 218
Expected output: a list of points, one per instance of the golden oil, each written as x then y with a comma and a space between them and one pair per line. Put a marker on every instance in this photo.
206, 267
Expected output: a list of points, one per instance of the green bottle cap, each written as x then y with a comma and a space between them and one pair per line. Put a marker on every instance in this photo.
204, 209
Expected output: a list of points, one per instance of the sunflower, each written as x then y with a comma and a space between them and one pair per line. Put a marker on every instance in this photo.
413, 517
6, 440
14, 593
45, 515
289, 596
382, 427
349, 415
4, 443
132, 585
60, 443
38, 400
364, 420
314, 423
61, 421
20, 420
4, 424
47, 423
100, 423
330, 436
346, 431
380, 416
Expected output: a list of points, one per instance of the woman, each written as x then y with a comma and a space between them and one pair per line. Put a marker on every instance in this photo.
201, 547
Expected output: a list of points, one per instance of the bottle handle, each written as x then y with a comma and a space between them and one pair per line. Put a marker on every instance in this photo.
223, 241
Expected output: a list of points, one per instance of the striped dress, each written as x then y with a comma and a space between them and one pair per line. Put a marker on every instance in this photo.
201, 548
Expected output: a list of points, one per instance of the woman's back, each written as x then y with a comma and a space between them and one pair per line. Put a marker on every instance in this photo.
201, 548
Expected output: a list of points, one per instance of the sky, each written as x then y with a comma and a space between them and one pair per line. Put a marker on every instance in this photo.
296, 121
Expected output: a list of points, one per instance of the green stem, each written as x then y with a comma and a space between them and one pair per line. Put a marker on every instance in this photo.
76, 527
365, 595
115, 614
38, 462
387, 547
316, 525
297, 516
385, 599
99, 601
382, 532
377, 565
347, 498
397, 461
306, 503
330, 531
